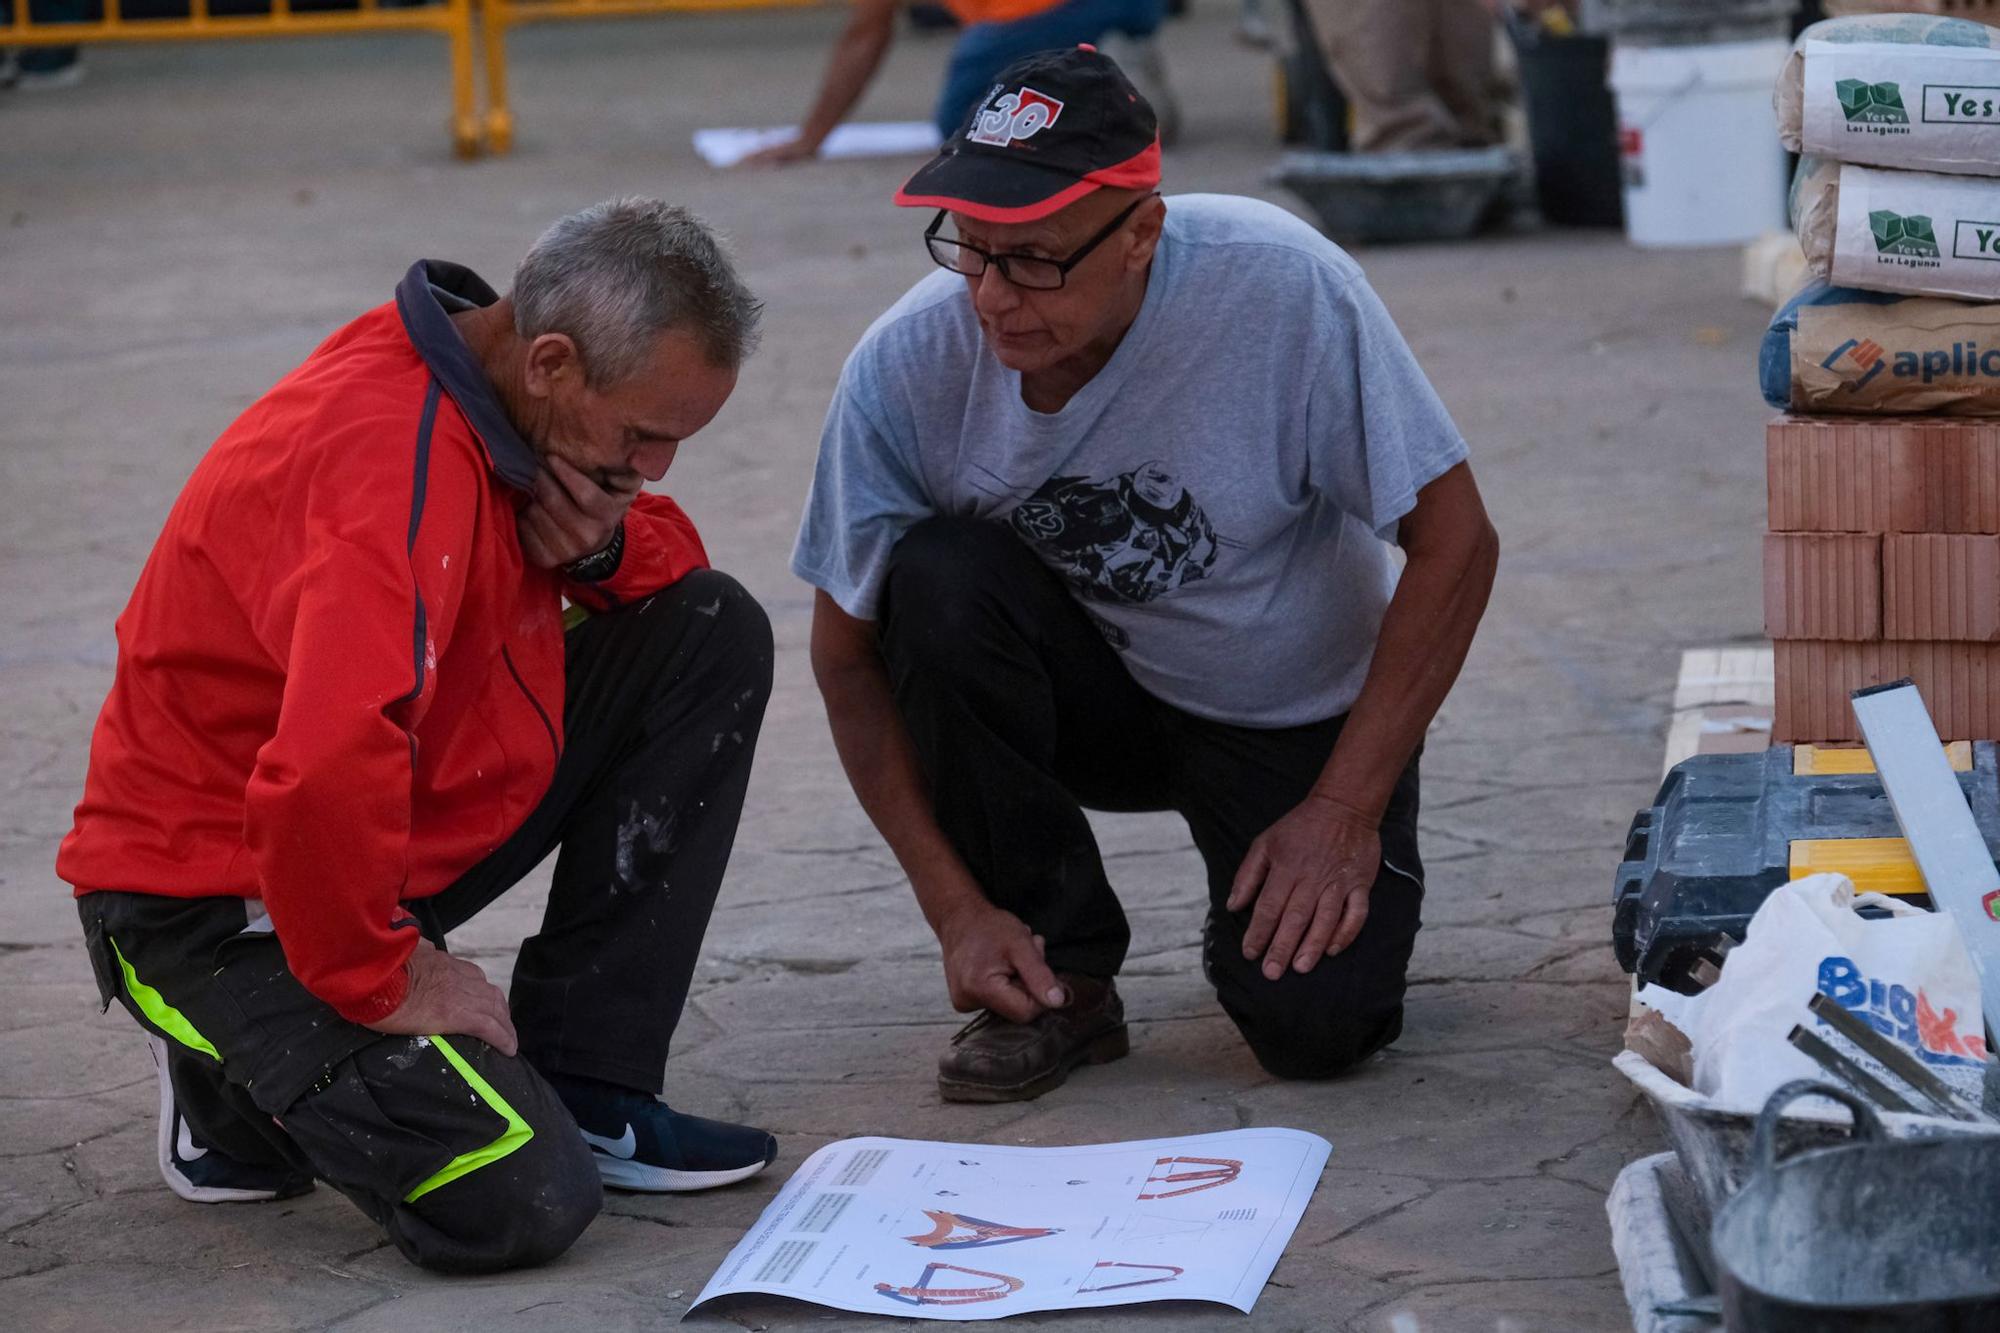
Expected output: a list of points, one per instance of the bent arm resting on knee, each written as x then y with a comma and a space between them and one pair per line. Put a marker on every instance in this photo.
992, 960
1311, 872
1452, 553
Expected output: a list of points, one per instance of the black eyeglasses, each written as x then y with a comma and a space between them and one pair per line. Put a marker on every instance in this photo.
1031, 271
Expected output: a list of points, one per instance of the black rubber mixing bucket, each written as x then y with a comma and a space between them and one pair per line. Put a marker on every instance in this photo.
1871, 1236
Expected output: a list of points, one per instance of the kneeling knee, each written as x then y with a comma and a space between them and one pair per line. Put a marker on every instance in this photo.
740, 621
943, 561
941, 575
1295, 1046
515, 1218
740, 628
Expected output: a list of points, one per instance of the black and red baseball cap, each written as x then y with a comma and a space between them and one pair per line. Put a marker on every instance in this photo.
1054, 127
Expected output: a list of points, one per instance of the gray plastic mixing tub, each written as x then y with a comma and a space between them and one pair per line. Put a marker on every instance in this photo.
1873, 1236
1370, 197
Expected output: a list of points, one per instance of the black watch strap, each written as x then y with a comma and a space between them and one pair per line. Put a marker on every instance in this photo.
603, 564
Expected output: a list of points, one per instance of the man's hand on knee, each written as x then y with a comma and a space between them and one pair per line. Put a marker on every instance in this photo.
1309, 875
450, 995
993, 961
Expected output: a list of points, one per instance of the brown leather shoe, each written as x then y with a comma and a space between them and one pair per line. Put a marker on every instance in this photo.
994, 1060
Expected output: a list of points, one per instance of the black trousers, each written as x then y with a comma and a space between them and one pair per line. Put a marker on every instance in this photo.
1024, 716
466, 1157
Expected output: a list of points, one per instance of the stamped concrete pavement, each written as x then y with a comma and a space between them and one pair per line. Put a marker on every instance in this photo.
183, 227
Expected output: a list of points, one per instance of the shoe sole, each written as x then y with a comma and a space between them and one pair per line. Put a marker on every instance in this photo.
35, 81
164, 1142
620, 1174
1102, 1050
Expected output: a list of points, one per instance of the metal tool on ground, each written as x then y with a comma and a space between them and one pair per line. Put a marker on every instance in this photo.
1932, 810
1849, 1073
1894, 1058
1874, 1234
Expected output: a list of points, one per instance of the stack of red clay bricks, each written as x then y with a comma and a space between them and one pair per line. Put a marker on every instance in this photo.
1883, 561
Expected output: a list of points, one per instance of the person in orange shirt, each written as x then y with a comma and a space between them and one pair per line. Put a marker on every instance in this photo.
996, 33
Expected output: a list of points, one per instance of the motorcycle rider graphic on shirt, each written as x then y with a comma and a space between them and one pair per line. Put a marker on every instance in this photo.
1132, 537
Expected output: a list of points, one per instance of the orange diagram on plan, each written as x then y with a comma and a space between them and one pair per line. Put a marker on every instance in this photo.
996, 1286
1189, 1175
1169, 1271
956, 1231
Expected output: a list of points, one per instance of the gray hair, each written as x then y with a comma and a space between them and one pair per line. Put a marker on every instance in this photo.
617, 275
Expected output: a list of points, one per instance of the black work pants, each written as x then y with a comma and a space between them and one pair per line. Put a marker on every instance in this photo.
1023, 716
466, 1157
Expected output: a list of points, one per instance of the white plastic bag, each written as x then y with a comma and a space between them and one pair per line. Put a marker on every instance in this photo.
1908, 976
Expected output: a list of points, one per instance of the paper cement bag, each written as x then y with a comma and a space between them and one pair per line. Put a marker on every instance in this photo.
1907, 975
1842, 350
1899, 231
1986, 11
1903, 91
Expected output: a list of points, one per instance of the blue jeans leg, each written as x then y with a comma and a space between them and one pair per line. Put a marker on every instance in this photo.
984, 49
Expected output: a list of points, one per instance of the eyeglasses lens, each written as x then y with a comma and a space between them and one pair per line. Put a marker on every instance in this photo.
1038, 274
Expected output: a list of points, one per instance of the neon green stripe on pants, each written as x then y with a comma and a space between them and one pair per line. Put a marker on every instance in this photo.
517, 1132
163, 1015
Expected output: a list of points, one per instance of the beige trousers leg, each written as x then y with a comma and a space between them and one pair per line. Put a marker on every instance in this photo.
1419, 73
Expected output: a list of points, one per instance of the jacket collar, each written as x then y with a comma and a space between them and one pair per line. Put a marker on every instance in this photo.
421, 299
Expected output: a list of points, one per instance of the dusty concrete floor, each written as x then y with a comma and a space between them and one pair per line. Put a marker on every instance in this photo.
182, 228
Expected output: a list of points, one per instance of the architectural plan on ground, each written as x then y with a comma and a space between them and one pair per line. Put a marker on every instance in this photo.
973, 1231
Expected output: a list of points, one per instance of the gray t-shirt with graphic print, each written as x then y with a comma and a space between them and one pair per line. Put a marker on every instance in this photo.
1220, 497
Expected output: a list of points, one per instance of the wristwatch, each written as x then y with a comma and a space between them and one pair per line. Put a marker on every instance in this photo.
602, 565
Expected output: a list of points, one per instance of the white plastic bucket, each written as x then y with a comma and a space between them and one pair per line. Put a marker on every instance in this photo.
1699, 142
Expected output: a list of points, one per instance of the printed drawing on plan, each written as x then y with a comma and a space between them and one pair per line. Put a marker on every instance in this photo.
956, 1231
1174, 1176
1145, 1225
995, 1287
1167, 1272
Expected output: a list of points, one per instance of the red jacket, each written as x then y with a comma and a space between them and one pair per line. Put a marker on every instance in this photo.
339, 684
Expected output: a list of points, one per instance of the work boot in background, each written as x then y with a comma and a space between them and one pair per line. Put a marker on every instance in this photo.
994, 1060
42, 68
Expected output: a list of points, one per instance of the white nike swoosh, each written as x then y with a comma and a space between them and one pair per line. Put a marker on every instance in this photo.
184, 1144
624, 1147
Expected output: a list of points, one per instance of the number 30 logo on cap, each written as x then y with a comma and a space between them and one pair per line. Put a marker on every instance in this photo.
1013, 117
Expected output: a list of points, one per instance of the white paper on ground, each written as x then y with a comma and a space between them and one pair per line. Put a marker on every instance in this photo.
727, 147
973, 1231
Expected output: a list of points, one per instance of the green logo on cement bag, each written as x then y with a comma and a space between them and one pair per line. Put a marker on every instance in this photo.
1865, 103
1906, 238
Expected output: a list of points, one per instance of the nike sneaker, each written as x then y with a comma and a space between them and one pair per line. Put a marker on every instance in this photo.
640, 1143
202, 1173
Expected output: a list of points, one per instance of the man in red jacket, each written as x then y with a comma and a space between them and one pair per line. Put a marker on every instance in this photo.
347, 716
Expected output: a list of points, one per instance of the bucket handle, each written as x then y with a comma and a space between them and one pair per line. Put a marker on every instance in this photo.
1666, 103
1764, 1146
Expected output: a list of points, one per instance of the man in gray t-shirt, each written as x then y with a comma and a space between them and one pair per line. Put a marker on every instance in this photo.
1103, 518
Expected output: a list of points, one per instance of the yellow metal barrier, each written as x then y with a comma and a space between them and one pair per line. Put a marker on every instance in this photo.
496, 16
451, 19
